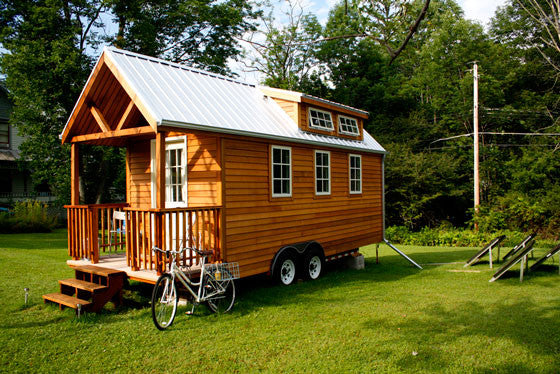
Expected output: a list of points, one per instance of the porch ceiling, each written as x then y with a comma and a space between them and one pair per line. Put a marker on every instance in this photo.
106, 109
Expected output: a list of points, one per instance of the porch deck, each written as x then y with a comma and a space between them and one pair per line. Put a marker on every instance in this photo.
118, 262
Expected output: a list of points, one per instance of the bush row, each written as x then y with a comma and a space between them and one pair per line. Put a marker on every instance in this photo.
27, 216
454, 237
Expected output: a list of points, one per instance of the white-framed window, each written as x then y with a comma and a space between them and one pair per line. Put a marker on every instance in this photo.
320, 119
355, 173
175, 172
322, 173
281, 163
348, 125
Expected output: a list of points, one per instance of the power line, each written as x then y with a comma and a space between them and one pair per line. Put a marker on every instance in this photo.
500, 145
497, 133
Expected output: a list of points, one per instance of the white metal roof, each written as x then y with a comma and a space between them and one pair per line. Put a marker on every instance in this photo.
181, 96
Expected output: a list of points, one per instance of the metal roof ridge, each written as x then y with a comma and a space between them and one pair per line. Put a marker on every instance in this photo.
334, 103
303, 94
177, 65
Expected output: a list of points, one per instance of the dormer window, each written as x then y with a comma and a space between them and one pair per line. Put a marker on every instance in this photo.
348, 126
319, 119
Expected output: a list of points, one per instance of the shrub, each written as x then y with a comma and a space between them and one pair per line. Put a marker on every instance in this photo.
454, 237
27, 216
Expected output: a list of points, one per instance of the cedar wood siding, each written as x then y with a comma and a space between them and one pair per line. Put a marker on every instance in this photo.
257, 225
203, 171
139, 176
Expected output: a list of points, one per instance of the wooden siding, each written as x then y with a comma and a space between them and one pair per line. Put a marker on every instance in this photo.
257, 225
203, 171
138, 157
290, 107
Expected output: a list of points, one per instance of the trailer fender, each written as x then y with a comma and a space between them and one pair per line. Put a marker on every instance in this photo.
298, 251
289, 249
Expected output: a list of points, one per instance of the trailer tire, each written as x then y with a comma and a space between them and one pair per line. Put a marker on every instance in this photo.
313, 264
285, 268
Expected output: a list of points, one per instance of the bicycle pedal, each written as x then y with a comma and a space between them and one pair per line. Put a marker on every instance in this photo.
208, 287
189, 312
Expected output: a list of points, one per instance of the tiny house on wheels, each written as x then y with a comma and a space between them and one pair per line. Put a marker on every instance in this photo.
269, 178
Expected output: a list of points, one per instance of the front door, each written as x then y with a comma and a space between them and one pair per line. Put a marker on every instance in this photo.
175, 186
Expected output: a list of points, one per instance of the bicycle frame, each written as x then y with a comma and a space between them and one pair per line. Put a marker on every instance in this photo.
177, 273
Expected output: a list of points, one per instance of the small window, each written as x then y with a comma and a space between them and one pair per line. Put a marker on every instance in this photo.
355, 172
322, 173
348, 126
319, 119
281, 171
4, 133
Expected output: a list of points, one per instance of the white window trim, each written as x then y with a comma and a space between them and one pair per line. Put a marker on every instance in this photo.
172, 142
309, 122
350, 174
272, 148
348, 132
329, 168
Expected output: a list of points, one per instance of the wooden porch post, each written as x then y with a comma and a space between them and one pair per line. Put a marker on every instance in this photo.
160, 170
160, 199
74, 174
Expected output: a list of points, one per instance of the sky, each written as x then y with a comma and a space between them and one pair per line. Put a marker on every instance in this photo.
477, 10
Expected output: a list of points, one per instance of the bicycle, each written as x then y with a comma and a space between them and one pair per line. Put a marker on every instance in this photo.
215, 286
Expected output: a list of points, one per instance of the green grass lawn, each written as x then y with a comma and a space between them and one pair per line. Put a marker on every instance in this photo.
348, 321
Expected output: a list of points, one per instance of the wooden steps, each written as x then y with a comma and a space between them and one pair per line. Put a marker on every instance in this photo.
65, 300
92, 288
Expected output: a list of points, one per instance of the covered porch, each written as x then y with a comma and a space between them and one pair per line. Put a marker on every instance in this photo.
173, 182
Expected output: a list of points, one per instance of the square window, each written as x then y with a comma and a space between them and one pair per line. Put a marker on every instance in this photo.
320, 119
348, 126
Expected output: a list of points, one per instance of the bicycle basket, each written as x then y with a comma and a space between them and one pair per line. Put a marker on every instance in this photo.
224, 271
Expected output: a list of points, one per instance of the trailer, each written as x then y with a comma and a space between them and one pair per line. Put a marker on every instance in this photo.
276, 180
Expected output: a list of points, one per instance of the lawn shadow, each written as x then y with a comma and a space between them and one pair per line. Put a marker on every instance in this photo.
260, 290
440, 327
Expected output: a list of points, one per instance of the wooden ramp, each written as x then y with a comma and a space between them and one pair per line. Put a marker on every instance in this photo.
92, 288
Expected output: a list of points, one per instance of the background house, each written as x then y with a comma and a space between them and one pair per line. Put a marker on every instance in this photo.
15, 180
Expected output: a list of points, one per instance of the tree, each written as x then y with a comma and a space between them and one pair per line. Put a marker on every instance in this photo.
546, 19
285, 55
46, 65
199, 33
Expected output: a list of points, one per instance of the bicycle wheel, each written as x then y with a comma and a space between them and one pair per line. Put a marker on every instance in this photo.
223, 292
164, 302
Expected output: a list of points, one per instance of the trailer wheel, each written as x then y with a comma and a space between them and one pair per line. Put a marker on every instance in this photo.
313, 264
285, 270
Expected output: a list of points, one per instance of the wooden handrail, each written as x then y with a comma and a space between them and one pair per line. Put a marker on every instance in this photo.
107, 205
165, 210
173, 228
93, 227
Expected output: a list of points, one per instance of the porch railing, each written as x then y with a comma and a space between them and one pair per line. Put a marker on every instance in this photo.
94, 227
171, 229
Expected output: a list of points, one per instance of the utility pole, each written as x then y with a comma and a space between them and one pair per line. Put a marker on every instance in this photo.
475, 125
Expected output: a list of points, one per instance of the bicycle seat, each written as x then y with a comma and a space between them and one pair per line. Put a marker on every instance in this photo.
205, 253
